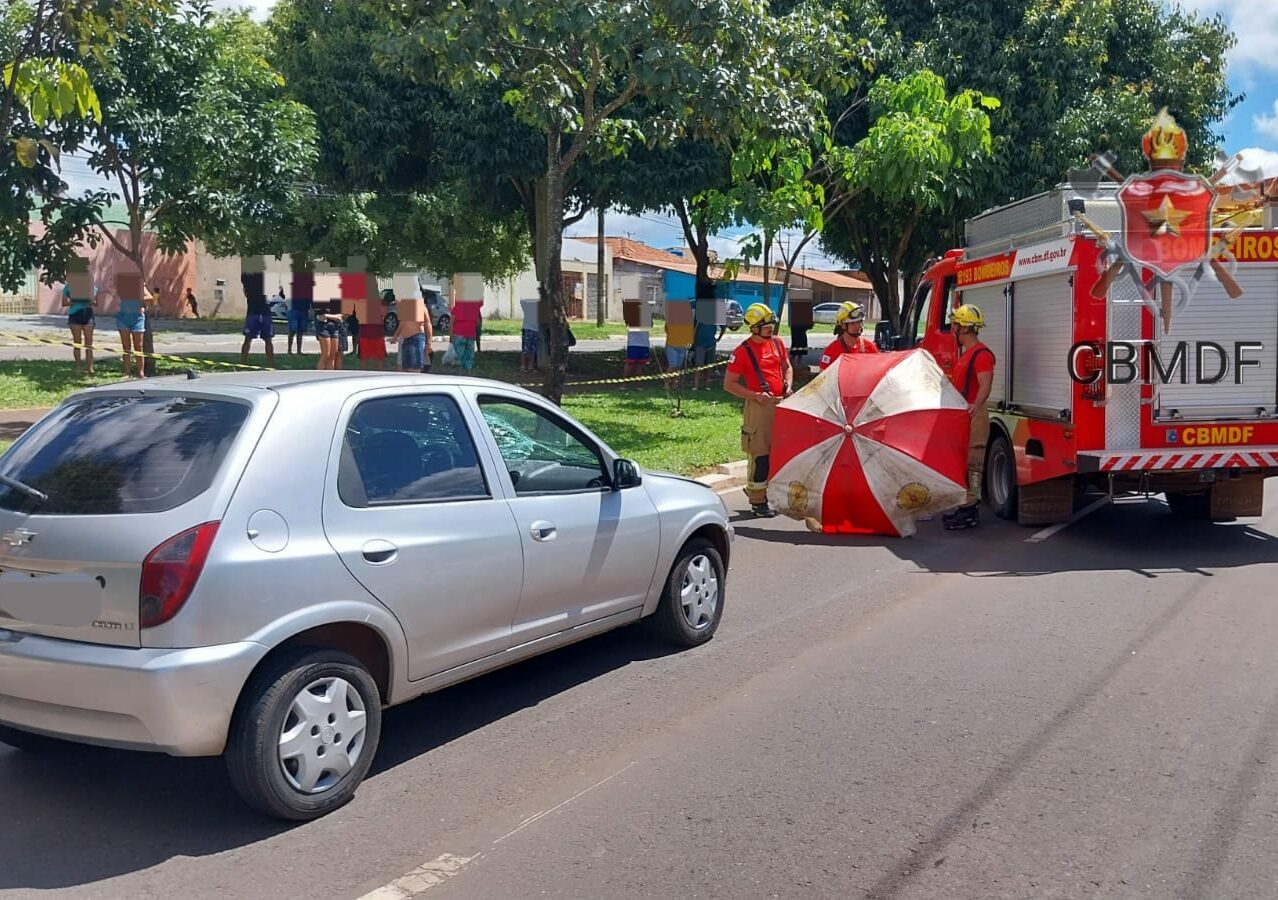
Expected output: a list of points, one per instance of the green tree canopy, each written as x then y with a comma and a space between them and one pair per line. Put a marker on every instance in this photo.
1072, 77
573, 70
197, 137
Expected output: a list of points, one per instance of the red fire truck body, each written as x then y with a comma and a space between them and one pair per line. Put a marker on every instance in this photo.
1090, 392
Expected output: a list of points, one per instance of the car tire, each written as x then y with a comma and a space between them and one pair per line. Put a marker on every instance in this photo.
303, 786
691, 603
1000, 477
35, 743
444, 324
390, 324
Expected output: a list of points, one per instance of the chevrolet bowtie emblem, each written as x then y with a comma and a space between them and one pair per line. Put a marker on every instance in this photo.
17, 537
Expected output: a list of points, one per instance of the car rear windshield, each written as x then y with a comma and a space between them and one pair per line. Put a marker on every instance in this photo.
121, 455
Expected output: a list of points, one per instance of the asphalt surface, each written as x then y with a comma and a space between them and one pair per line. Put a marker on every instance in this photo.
969, 714
185, 338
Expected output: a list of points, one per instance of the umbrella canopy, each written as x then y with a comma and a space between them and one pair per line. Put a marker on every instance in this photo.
871, 444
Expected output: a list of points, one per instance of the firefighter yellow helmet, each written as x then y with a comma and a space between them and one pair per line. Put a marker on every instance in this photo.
759, 314
849, 312
969, 316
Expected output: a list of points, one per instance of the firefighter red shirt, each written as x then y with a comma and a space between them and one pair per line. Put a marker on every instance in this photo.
769, 355
975, 360
838, 348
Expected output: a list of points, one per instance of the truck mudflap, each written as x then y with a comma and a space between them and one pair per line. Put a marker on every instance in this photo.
1163, 460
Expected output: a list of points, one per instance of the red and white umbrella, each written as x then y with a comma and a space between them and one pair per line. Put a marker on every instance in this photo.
871, 444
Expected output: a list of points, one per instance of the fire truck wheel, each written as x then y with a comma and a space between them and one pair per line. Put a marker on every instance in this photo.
1000, 477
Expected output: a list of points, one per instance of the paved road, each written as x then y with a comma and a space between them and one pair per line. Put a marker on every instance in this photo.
954, 715
181, 338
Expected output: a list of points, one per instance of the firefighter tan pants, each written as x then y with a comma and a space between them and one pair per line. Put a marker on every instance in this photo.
756, 443
976, 456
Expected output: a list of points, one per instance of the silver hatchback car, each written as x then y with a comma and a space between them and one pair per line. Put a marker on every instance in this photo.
255, 565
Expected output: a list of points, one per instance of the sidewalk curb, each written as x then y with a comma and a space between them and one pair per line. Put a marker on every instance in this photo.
725, 477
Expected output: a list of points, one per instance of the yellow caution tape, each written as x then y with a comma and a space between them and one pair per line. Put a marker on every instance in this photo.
661, 376
120, 350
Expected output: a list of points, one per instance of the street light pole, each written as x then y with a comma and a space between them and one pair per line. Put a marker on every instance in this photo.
601, 292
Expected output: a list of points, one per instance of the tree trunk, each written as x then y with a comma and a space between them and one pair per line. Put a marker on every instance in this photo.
601, 287
698, 237
550, 288
767, 252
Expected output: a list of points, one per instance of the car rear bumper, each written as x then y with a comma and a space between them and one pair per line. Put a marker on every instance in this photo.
172, 701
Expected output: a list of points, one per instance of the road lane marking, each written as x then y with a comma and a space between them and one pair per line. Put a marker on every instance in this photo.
1050, 530
421, 879
447, 865
541, 815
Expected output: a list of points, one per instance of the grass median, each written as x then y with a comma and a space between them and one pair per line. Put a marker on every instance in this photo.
643, 420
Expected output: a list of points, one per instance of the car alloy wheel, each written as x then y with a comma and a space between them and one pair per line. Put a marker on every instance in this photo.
692, 601
323, 735
699, 596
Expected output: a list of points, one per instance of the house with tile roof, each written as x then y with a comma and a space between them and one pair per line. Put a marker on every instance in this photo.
643, 272
837, 287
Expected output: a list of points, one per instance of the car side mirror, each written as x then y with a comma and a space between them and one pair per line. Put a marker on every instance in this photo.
884, 337
625, 474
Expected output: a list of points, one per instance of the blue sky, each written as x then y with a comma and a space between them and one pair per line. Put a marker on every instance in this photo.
1252, 127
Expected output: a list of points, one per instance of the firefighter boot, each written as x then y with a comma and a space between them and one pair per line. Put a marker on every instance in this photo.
965, 517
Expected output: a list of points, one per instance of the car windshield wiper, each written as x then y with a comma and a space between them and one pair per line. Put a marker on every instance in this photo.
21, 488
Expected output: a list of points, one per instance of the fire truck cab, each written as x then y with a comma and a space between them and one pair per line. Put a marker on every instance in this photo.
1092, 392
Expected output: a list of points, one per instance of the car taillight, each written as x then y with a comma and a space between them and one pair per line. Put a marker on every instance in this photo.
169, 573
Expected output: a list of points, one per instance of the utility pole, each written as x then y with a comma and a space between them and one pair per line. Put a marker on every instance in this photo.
601, 290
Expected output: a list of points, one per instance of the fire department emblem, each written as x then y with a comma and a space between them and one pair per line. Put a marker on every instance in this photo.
1166, 220
1170, 236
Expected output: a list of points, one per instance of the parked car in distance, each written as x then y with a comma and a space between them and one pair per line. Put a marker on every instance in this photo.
735, 315
824, 313
167, 586
441, 318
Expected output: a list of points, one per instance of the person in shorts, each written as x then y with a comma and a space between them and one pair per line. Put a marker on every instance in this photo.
414, 343
81, 320
130, 322
299, 318
372, 344
330, 331
257, 324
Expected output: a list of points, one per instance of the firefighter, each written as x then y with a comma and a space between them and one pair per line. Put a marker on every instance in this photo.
760, 374
973, 376
849, 321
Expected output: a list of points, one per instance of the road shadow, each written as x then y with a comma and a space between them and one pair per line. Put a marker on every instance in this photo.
90, 814
1132, 535
12, 430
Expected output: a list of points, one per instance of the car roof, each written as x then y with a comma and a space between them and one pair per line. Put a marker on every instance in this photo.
246, 384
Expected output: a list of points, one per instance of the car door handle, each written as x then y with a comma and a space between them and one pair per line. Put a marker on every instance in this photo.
379, 553
542, 531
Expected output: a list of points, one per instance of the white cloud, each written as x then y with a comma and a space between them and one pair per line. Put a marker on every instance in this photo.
1254, 158
1267, 125
259, 9
1254, 24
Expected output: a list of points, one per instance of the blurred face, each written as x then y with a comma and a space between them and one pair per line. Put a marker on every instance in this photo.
853, 329
765, 330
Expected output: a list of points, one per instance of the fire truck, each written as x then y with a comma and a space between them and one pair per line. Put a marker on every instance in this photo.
1092, 389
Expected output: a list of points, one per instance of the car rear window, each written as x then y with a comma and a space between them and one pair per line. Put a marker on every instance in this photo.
121, 455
